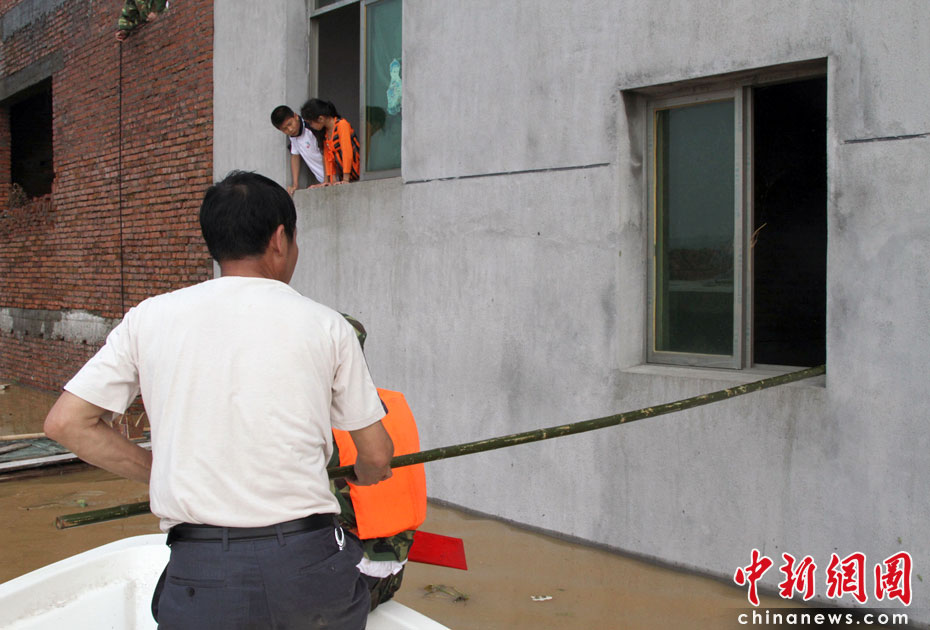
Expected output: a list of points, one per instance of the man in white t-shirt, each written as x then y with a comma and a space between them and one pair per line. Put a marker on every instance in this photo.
243, 380
303, 144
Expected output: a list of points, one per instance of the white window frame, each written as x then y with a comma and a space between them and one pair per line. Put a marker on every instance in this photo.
739, 88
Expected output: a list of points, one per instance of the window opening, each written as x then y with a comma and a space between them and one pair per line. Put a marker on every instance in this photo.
31, 149
790, 223
360, 69
738, 223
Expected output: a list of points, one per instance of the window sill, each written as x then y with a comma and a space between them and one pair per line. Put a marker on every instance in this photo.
735, 377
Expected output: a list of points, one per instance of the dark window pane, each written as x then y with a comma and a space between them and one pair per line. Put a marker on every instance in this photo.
694, 200
790, 207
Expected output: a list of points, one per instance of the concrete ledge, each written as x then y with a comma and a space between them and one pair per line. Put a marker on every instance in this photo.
74, 326
30, 75
733, 377
24, 14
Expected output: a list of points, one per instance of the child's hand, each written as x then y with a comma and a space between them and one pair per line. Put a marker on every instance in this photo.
291, 189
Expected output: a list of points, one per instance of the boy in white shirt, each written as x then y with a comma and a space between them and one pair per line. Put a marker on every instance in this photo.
303, 144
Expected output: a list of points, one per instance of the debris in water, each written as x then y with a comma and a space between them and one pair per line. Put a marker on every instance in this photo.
540, 598
78, 498
9, 448
442, 589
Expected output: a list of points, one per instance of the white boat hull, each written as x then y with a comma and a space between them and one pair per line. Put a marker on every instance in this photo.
111, 587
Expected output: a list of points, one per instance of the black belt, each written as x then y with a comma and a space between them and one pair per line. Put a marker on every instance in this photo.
191, 531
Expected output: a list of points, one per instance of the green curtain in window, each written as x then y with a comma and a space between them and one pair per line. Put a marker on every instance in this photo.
383, 84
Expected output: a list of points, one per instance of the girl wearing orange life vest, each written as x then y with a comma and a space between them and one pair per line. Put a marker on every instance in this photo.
340, 145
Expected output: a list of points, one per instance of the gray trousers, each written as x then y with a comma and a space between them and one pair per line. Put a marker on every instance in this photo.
294, 581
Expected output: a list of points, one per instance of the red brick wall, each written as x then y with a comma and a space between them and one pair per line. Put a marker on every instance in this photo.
41, 362
132, 157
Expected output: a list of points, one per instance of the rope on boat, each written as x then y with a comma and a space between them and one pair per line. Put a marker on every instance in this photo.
468, 448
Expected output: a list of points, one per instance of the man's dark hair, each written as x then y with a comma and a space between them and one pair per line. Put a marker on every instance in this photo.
279, 114
239, 215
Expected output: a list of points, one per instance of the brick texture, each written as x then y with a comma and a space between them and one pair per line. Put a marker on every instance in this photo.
132, 129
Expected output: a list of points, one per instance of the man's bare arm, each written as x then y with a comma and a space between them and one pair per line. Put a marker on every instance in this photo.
375, 450
75, 424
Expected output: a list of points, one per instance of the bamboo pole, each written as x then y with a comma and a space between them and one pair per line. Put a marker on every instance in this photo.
468, 448
103, 514
446, 452
21, 436
9, 448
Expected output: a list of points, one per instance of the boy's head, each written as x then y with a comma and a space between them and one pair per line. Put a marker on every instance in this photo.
285, 120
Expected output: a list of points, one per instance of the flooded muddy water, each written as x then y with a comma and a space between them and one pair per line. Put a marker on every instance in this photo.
28, 508
512, 572
507, 566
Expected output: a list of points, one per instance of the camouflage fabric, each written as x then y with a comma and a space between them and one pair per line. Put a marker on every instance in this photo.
136, 12
360, 331
380, 549
383, 589
392, 548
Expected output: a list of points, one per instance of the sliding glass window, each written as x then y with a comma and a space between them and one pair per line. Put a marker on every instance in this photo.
737, 216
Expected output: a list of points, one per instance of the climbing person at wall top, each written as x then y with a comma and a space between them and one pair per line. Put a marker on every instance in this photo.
136, 13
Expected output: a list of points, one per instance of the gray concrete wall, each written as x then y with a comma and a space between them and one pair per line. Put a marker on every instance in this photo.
503, 280
260, 61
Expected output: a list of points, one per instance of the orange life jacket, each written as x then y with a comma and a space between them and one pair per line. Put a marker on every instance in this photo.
341, 153
399, 503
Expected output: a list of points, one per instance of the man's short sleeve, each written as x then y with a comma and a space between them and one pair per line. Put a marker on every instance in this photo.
293, 144
355, 403
111, 378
